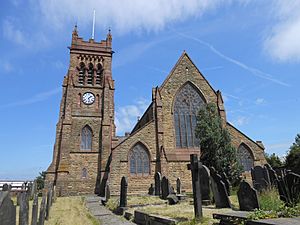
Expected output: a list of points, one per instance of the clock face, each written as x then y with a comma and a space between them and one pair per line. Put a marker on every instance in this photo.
88, 98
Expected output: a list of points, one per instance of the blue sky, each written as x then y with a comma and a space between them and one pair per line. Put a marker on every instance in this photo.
249, 50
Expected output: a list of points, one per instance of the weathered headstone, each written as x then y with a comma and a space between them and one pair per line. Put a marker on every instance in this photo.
30, 190
272, 174
226, 182
157, 184
205, 183
24, 208
18, 198
49, 203
260, 177
7, 209
195, 166
151, 190
178, 186
247, 197
172, 199
219, 190
164, 188
123, 192
35, 206
289, 188
42, 211
5, 187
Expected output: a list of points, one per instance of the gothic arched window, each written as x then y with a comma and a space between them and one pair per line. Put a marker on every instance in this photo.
86, 138
81, 75
99, 74
188, 101
84, 173
90, 76
245, 157
139, 160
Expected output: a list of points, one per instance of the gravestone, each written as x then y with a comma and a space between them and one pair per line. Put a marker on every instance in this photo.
30, 190
7, 209
172, 199
260, 177
24, 208
151, 190
49, 202
35, 206
205, 183
157, 184
247, 197
164, 188
195, 166
123, 192
178, 186
272, 175
5, 187
289, 188
219, 190
226, 182
42, 211
18, 198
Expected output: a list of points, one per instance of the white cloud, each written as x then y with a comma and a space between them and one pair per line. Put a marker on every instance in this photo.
12, 33
124, 15
241, 120
126, 116
34, 99
259, 101
282, 42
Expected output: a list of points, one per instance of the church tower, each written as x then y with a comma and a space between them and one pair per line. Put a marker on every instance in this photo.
85, 127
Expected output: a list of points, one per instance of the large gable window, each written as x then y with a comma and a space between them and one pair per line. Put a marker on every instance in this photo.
139, 160
86, 138
245, 157
188, 101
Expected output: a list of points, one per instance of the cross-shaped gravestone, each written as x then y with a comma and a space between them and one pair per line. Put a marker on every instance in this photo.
157, 184
195, 167
123, 192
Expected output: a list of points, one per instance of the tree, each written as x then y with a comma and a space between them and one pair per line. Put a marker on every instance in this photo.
292, 161
40, 180
273, 160
215, 143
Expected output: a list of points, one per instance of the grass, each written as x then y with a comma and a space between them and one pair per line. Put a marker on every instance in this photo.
70, 211
269, 200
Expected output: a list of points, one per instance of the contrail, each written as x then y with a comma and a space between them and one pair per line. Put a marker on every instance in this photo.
252, 70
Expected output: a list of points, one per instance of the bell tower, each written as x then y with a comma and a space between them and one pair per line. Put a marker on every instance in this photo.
86, 119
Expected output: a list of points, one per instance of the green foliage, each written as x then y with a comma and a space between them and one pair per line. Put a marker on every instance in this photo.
293, 157
283, 211
273, 160
269, 200
40, 180
215, 143
112, 204
261, 214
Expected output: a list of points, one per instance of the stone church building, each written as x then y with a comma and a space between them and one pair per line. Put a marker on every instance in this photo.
87, 153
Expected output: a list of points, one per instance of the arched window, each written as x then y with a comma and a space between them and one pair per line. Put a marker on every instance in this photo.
139, 160
86, 138
245, 157
99, 74
90, 77
81, 74
84, 173
188, 101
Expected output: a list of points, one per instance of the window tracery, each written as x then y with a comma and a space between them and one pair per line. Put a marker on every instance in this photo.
245, 157
139, 160
187, 104
86, 138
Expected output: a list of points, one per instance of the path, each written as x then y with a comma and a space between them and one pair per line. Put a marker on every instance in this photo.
103, 214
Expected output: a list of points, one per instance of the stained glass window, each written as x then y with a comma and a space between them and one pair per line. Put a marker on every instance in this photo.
245, 157
86, 138
188, 101
139, 160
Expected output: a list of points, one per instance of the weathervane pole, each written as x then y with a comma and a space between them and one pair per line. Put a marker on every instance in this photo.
93, 32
